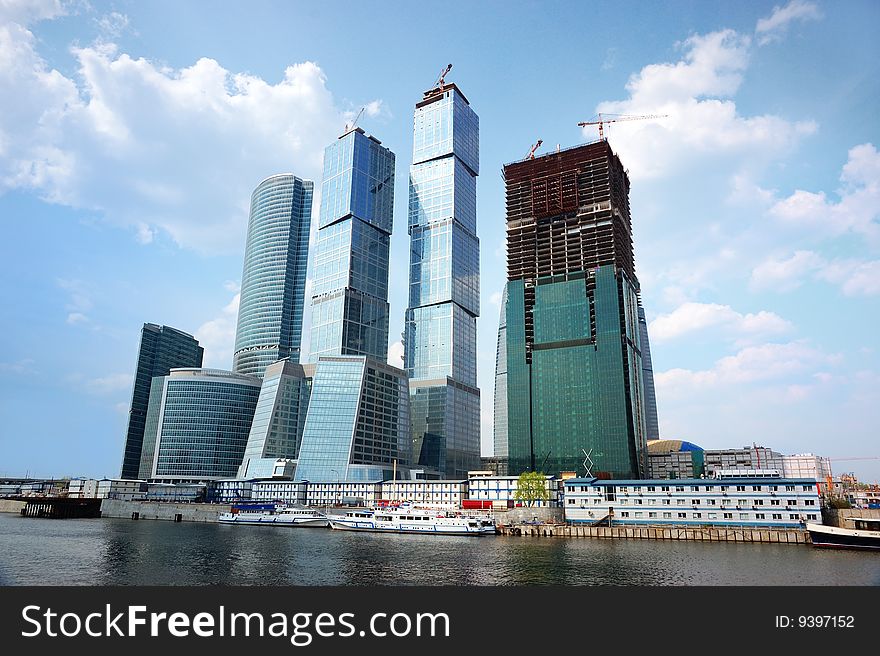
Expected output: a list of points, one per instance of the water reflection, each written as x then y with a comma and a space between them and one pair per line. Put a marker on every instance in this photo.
125, 552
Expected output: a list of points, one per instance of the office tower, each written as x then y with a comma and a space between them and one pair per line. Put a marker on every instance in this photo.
652, 426
574, 371
270, 311
440, 339
357, 424
161, 349
203, 423
279, 418
500, 423
151, 427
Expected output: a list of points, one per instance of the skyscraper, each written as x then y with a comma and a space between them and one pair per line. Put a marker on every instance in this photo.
652, 426
574, 370
440, 339
500, 423
357, 424
161, 349
273, 282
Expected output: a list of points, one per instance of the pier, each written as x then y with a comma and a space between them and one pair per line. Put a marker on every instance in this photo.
694, 533
60, 507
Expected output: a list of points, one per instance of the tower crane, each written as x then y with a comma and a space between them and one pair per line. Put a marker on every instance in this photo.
439, 82
353, 124
531, 154
617, 118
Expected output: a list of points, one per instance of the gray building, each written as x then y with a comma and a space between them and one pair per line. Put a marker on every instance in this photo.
748, 457
440, 343
203, 424
652, 426
270, 312
161, 349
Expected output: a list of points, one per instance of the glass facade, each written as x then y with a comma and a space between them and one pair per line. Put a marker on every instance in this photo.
652, 425
273, 283
500, 417
280, 415
358, 421
204, 421
161, 349
440, 334
151, 427
350, 292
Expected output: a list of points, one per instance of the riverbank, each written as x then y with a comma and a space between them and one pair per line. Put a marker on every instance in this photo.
163, 510
697, 533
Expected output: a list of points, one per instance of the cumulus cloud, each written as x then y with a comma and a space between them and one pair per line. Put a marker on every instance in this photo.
153, 148
854, 277
395, 354
785, 274
217, 335
79, 299
776, 24
26, 12
753, 364
701, 118
693, 317
857, 209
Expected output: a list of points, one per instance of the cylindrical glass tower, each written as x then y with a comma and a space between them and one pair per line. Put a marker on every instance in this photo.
273, 283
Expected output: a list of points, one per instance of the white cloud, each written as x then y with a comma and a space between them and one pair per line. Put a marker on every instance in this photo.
113, 25
76, 317
23, 366
79, 301
775, 25
693, 317
26, 12
156, 148
217, 336
854, 277
395, 354
694, 93
110, 384
766, 362
856, 212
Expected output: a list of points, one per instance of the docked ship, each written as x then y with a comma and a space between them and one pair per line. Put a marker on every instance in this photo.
411, 520
864, 535
274, 515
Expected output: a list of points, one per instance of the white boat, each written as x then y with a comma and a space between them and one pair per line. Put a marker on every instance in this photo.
412, 520
274, 515
865, 535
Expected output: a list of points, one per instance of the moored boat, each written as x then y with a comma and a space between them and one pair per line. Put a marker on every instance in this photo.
412, 520
864, 535
274, 515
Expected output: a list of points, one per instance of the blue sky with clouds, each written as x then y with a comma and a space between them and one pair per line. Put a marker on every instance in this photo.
132, 134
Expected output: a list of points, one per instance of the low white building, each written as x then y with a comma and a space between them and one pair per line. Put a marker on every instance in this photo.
807, 465
106, 488
433, 492
292, 492
749, 502
501, 490
347, 493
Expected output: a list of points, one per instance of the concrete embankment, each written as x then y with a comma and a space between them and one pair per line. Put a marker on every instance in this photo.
701, 534
11, 506
839, 516
175, 512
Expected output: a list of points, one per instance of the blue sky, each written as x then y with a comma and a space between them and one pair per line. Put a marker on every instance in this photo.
132, 134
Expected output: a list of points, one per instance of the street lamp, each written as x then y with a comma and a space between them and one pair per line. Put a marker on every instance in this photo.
337, 480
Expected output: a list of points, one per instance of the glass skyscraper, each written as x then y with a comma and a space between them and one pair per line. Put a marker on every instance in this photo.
652, 426
161, 349
357, 425
500, 422
440, 338
273, 282
203, 422
575, 394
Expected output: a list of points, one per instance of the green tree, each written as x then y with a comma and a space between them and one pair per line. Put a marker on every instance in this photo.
531, 487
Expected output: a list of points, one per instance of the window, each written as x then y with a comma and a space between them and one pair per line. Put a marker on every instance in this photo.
679, 488
759, 515
698, 515
759, 502
711, 502
623, 488
571, 502
652, 514
712, 515
665, 488
667, 502
695, 488
637, 488
744, 515
667, 515
682, 515
680, 502
774, 488
639, 502
789, 488
740, 488
724, 488
777, 516
651, 488
809, 502
639, 514
695, 502
728, 515
624, 514
810, 516
774, 502
807, 488
756, 488
624, 501
791, 502
710, 488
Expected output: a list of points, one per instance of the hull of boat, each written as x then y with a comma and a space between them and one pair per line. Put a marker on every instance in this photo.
316, 522
433, 529
843, 538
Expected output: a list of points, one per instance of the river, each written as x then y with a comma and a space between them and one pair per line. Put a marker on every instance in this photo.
126, 552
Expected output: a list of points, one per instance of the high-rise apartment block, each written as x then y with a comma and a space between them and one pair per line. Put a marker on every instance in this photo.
357, 424
574, 370
440, 339
270, 312
161, 349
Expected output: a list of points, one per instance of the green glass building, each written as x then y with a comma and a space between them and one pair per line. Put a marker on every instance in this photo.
574, 371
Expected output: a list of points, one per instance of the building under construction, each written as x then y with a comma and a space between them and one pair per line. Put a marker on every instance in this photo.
574, 372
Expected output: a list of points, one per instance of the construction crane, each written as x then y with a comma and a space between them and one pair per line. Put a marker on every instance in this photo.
618, 118
531, 154
350, 127
439, 82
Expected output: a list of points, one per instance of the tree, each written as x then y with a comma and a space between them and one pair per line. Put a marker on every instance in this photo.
531, 487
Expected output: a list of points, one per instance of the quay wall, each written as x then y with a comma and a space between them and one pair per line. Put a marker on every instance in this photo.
11, 506
511, 516
701, 534
187, 512
838, 516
